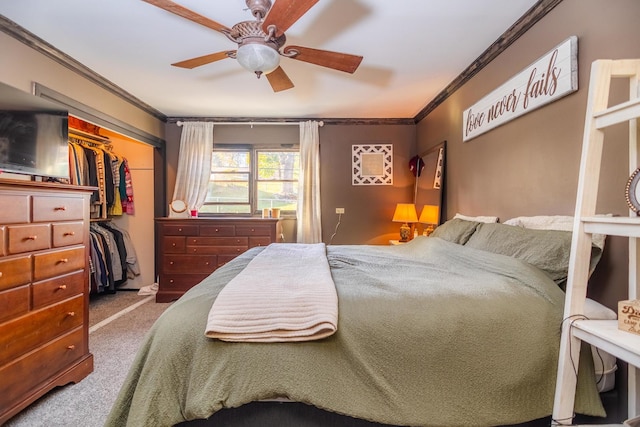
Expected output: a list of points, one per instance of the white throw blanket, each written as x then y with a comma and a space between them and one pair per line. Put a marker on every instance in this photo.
286, 293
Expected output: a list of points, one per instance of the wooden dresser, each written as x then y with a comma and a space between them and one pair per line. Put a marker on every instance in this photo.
44, 290
188, 250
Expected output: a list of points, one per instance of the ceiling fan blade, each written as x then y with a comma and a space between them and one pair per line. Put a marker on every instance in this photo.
324, 58
284, 13
203, 60
182, 11
279, 80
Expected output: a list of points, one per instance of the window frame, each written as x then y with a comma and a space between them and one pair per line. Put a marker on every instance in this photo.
253, 150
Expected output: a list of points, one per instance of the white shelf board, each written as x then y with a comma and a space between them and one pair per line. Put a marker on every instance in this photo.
617, 114
605, 334
616, 226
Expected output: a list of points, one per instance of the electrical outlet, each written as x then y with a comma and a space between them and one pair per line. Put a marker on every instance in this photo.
339, 210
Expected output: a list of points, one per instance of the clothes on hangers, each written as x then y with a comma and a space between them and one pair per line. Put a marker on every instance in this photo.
92, 164
113, 257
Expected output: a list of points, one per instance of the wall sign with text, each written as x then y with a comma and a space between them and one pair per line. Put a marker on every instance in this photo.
549, 78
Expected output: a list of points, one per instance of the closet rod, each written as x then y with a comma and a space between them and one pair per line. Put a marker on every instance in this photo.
320, 123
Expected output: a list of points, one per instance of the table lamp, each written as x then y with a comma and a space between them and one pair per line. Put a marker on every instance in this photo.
405, 213
429, 216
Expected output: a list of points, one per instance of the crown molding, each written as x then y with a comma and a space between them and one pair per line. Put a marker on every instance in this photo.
513, 33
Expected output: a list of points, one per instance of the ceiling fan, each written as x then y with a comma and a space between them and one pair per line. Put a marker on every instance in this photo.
260, 42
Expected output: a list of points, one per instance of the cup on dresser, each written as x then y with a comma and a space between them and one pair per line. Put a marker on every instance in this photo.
275, 212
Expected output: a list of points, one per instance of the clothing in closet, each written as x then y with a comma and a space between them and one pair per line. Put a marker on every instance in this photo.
94, 164
113, 258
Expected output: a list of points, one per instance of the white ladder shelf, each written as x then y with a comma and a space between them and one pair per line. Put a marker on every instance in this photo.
603, 334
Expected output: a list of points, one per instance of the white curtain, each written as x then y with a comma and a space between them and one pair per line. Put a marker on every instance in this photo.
194, 163
309, 217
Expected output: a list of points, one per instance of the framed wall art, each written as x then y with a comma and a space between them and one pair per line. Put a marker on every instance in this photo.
372, 164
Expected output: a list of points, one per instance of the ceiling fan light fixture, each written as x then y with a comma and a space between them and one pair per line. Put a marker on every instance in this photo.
258, 58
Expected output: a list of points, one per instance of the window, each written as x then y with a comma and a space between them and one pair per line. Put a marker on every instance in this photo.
247, 180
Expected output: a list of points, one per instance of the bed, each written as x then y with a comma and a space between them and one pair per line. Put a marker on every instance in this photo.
441, 331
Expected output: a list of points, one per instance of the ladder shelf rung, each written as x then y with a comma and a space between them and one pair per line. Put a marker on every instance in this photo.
615, 226
605, 334
617, 114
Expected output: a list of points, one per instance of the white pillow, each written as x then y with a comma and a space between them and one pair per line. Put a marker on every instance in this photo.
553, 222
476, 218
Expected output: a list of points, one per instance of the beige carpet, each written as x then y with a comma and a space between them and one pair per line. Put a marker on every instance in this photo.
117, 331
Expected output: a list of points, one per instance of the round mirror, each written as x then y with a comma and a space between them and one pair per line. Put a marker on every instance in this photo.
178, 206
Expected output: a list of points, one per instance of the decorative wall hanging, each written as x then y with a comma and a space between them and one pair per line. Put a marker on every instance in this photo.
372, 164
549, 78
437, 178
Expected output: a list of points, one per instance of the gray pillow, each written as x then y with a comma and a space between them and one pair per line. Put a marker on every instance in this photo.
456, 230
547, 250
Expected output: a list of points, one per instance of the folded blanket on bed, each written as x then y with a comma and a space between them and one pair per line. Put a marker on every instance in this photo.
286, 293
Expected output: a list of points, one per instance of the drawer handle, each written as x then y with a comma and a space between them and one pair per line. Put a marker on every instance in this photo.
253, 230
71, 347
237, 249
60, 208
217, 230
62, 287
64, 260
31, 238
0, 273
171, 281
70, 233
71, 313
206, 263
195, 250
180, 230
173, 244
170, 262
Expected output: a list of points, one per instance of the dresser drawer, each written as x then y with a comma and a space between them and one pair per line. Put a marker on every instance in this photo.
254, 230
189, 264
217, 230
217, 241
28, 238
259, 241
174, 244
180, 229
15, 271
217, 250
56, 263
15, 209
180, 282
19, 336
51, 291
14, 302
67, 234
47, 208
34, 369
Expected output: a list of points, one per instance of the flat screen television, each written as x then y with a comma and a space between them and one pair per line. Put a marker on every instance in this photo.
33, 135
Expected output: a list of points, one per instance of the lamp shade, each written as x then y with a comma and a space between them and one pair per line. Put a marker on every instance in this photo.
405, 212
430, 214
258, 57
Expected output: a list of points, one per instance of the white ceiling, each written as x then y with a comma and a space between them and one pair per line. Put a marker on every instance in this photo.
412, 50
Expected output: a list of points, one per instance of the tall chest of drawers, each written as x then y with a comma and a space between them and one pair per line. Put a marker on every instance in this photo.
44, 290
188, 250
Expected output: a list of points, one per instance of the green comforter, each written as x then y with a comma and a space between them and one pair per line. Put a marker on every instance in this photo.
429, 333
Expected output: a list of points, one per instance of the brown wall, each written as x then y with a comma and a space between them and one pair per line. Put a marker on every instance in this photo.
529, 166
368, 209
